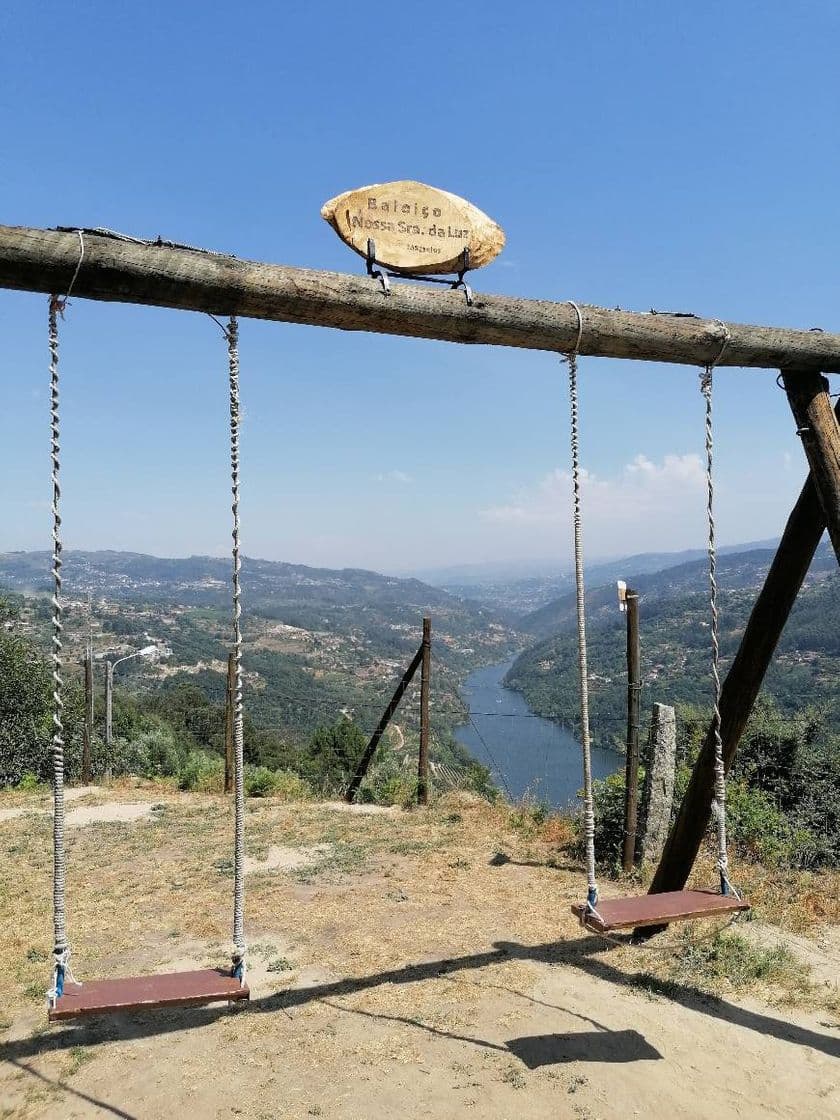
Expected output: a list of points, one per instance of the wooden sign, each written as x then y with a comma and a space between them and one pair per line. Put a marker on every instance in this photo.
416, 229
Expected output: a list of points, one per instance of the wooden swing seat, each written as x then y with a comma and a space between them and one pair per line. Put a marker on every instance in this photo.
658, 909
147, 993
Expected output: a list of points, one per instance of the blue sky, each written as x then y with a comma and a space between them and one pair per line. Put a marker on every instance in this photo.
682, 157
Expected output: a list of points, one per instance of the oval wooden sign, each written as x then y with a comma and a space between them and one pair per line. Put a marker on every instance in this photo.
417, 229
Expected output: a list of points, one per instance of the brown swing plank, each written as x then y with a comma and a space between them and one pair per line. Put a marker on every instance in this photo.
145, 993
659, 909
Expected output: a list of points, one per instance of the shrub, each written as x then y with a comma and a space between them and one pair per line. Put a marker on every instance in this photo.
260, 781
291, 787
608, 796
397, 790
757, 828
201, 771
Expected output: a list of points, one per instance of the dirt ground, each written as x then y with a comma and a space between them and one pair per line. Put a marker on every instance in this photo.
418, 964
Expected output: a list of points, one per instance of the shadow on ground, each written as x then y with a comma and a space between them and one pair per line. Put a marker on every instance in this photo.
587, 954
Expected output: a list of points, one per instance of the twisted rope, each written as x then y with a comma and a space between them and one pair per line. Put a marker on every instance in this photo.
719, 801
60, 946
580, 594
239, 946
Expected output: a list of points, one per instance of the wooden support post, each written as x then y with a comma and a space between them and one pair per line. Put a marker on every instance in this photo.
230, 704
425, 680
818, 429
166, 275
109, 723
370, 749
802, 534
631, 769
87, 742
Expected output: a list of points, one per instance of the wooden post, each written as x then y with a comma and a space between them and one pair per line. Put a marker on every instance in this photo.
230, 703
425, 674
385, 719
802, 534
817, 427
109, 710
165, 275
631, 769
87, 742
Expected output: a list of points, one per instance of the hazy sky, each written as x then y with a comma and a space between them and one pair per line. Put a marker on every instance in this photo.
674, 156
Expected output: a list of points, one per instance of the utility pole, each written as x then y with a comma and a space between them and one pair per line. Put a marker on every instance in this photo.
109, 692
629, 603
87, 742
146, 652
425, 672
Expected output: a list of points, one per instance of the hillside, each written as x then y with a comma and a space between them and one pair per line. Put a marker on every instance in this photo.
514, 590
743, 570
675, 639
318, 644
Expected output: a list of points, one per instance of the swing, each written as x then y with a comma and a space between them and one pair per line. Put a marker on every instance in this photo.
68, 999
667, 906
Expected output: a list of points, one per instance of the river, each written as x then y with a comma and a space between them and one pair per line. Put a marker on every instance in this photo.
528, 755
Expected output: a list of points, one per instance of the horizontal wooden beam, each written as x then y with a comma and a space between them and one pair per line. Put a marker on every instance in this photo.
127, 270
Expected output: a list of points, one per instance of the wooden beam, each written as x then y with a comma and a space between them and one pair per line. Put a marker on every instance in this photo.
802, 534
164, 275
818, 429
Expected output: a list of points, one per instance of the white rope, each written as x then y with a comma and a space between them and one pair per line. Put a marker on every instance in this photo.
583, 671
719, 801
239, 946
60, 946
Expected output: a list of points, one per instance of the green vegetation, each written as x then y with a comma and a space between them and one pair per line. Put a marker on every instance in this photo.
782, 795
177, 732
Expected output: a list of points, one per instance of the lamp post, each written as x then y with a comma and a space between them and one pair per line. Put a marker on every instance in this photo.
147, 651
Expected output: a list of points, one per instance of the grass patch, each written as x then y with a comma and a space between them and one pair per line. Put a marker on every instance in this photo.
79, 1056
342, 859
732, 962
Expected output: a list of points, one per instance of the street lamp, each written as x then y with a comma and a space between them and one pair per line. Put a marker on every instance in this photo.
150, 652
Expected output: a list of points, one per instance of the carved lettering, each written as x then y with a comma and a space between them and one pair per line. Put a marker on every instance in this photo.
397, 217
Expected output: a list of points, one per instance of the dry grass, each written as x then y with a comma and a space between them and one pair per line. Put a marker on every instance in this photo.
463, 899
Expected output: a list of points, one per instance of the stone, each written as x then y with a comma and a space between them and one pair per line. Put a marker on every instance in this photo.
417, 229
658, 793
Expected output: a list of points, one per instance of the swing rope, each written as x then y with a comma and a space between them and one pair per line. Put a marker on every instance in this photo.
61, 948
239, 946
580, 594
719, 800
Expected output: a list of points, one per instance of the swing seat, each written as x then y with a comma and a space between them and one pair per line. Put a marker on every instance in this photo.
147, 993
657, 909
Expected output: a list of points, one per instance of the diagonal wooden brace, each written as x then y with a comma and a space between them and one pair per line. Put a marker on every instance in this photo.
790, 565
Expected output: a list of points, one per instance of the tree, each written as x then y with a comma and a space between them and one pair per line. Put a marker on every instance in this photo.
26, 727
335, 752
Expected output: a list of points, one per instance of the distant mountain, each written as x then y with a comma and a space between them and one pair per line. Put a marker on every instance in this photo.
516, 589
674, 623
735, 571
313, 598
317, 642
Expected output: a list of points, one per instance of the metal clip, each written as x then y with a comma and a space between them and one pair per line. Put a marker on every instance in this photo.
461, 282
376, 273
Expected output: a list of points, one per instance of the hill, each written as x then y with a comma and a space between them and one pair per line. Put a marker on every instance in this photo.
735, 571
516, 590
319, 644
675, 639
